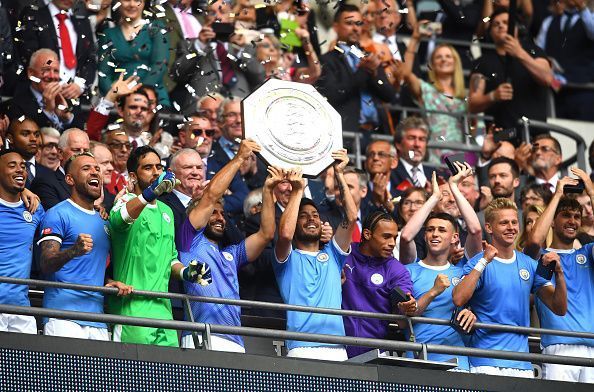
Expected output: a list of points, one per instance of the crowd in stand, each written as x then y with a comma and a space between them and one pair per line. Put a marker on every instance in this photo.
128, 197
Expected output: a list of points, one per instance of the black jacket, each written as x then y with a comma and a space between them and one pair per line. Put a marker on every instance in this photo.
50, 186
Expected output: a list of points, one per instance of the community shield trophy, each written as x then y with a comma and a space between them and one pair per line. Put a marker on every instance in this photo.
294, 124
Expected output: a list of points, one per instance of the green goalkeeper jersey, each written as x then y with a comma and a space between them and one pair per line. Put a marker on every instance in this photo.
142, 252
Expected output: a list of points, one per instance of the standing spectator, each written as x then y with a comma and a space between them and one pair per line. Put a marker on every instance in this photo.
459, 21
371, 274
50, 185
522, 63
535, 195
565, 217
18, 228
43, 98
545, 160
104, 159
138, 46
202, 233
529, 217
411, 139
25, 138
138, 260
307, 275
586, 231
411, 200
197, 134
120, 148
49, 153
569, 39
75, 249
490, 276
6, 50
354, 83
504, 178
57, 28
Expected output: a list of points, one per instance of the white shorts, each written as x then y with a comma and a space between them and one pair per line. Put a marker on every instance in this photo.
18, 323
499, 371
217, 344
70, 329
566, 372
324, 353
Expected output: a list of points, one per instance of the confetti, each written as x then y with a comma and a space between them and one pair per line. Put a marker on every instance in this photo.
116, 6
200, 141
380, 82
403, 11
411, 154
132, 84
338, 49
486, 19
261, 5
176, 106
34, 79
62, 107
191, 56
113, 127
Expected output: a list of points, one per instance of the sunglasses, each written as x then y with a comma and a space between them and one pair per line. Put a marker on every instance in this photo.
207, 132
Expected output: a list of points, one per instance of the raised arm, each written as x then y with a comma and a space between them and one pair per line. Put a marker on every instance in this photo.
313, 70
406, 68
465, 289
539, 68
408, 249
473, 244
554, 298
288, 220
255, 243
220, 183
344, 232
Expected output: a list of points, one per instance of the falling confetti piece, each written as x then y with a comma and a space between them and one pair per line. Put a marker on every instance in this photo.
486, 20
113, 127
411, 154
34, 79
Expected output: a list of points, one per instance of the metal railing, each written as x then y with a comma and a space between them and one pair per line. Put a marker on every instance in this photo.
206, 329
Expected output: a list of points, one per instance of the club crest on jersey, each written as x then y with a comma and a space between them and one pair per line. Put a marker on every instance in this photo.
580, 259
27, 216
455, 281
377, 279
524, 274
322, 257
228, 256
166, 218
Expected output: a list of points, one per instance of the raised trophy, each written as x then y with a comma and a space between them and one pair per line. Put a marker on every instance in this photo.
294, 124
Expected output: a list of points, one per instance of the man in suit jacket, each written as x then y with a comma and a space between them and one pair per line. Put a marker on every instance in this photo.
50, 185
42, 98
56, 27
24, 137
353, 82
381, 160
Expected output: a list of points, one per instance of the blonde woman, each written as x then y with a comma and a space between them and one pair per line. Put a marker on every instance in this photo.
529, 217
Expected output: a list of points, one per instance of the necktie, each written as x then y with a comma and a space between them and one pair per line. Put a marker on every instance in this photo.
567, 24
415, 176
188, 27
229, 78
356, 233
134, 144
29, 175
368, 112
65, 43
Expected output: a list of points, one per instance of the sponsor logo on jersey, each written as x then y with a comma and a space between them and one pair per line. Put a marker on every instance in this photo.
581, 259
27, 216
524, 274
350, 268
322, 257
455, 280
228, 256
166, 218
377, 279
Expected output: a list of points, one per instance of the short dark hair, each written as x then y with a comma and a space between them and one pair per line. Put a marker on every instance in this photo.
345, 8
515, 169
122, 99
371, 220
137, 155
7, 151
443, 216
568, 204
548, 136
411, 122
541, 190
70, 160
307, 202
15, 122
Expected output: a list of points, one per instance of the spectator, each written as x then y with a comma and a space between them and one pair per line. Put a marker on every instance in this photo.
202, 233
75, 249
56, 27
491, 150
252, 204
388, 21
411, 200
459, 22
104, 159
209, 105
210, 69
355, 84
371, 274
136, 45
197, 134
318, 270
42, 98
49, 153
524, 13
529, 217
18, 228
50, 185
279, 65
586, 231
573, 270
488, 280
569, 39
504, 178
545, 160
381, 159
25, 139
120, 148
433, 280
410, 140
535, 195
528, 70
139, 261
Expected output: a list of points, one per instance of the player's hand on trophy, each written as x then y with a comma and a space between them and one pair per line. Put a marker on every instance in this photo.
341, 159
295, 178
246, 148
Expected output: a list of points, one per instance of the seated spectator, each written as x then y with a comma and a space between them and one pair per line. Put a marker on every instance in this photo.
529, 72
372, 261
137, 46
279, 65
42, 98
49, 153
54, 26
569, 39
104, 159
75, 249
504, 178
488, 279
50, 185
411, 200
120, 148
586, 232
202, 233
25, 139
318, 270
18, 228
355, 84
221, 63
535, 195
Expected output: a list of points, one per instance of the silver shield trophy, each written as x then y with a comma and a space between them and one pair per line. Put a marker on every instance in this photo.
294, 124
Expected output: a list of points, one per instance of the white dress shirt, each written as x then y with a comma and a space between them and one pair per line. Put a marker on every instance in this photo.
65, 73
420, 174
180, 19
391, 42
183, 198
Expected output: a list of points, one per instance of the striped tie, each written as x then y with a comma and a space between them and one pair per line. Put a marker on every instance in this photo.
415, 176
